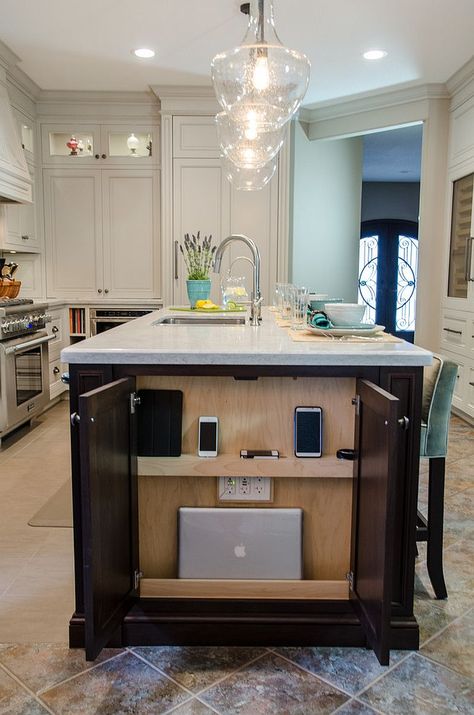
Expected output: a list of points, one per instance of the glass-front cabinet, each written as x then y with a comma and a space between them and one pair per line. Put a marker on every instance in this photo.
461, 263
131, 145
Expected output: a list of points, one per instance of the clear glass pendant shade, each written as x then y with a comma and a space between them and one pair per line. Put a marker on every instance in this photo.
261, 75
248, 179
244, 145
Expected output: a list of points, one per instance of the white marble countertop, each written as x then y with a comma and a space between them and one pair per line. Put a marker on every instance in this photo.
141, 341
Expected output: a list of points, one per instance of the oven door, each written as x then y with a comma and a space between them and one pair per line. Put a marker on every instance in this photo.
100, 325
24, 382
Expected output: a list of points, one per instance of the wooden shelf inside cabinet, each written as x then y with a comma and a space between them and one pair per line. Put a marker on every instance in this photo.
254, 589
231, 465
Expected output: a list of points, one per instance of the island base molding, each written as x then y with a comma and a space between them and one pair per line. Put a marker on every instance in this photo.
211, 623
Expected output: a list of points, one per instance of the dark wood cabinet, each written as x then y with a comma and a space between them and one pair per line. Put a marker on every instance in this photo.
376, 612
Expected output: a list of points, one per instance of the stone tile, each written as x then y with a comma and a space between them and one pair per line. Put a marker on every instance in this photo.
354, 707
14, 698
460, 446
420, 687
122, 685
197, 668
192, 707
431, 619
349, 669
455, 646
43, 665
272, 685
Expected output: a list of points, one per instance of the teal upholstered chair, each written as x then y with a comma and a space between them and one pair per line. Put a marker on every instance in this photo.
438, 387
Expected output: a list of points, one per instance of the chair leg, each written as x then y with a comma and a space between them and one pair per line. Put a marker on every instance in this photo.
435, 526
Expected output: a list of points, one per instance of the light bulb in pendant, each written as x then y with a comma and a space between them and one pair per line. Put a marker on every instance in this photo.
261, 74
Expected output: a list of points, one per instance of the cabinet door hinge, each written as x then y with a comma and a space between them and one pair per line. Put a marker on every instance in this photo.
137, 575
134, 401
356, 403
350, 578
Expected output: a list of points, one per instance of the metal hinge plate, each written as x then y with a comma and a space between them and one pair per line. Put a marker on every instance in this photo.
137, 575
134, 401
356, 403
350, 578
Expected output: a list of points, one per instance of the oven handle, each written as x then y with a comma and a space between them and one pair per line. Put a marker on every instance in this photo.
29, 344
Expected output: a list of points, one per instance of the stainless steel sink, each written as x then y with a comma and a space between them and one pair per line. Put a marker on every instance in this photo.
201, 320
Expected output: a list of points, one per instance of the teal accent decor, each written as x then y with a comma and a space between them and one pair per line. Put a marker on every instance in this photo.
198, 290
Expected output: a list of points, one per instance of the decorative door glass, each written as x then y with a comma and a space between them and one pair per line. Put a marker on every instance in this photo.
131, 144
460, 245
75, 144
388, 266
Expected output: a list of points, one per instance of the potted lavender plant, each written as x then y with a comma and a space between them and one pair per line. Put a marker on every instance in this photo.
198, 255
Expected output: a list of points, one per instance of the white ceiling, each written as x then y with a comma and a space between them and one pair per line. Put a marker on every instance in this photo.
86, 45
393, 155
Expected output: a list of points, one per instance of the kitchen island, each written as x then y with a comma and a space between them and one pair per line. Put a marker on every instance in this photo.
359, 517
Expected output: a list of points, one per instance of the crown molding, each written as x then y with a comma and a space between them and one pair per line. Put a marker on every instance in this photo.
8, 58
461, 84
369, 101
52, 96
185, 99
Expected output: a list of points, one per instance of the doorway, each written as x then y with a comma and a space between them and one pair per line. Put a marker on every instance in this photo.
388, 268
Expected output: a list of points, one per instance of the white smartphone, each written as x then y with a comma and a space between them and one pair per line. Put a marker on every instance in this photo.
208, 436
308, 431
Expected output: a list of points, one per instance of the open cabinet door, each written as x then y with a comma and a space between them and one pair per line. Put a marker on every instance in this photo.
109, 505
373, 513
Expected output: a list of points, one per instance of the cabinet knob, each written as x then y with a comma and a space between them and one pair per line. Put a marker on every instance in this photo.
56, 370
25, 238
99, 290
104, 156
97, 156
65, 378
106, 290
55, 329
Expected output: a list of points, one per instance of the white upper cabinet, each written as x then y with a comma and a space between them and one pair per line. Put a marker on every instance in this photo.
102, 233
133, 145
195, 137
18, 224
202, 199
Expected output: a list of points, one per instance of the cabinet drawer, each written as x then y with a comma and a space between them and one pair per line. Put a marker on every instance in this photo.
57, 328
454, 333
56, 387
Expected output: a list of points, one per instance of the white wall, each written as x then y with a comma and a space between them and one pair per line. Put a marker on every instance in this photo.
325, 214
390, 200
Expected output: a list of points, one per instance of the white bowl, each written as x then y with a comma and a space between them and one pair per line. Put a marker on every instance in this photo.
344, 313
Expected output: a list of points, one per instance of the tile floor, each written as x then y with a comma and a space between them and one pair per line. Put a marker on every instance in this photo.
39, 674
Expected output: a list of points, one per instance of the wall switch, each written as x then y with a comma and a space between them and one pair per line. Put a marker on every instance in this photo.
245, 489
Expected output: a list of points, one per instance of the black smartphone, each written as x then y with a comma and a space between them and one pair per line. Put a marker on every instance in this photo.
308, 431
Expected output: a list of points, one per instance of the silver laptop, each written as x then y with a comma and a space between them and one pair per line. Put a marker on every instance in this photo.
240, 543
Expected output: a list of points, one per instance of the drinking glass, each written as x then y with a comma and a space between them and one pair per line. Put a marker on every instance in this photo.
287, 300
299, 307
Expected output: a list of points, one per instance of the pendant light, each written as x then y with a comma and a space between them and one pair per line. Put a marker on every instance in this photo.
246, 147
248, 179
260, 83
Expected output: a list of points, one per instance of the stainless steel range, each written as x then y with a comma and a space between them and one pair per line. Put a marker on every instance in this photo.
24, 385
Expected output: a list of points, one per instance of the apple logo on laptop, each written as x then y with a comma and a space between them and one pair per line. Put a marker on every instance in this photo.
239, 551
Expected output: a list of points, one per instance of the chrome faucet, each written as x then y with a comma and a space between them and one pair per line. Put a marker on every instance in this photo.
256, 302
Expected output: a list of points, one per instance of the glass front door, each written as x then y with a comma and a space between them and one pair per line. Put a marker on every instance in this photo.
388, 268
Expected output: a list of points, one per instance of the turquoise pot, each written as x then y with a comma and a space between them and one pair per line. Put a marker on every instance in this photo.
198, 290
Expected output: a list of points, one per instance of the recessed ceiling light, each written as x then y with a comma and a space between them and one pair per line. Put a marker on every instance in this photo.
374, 54
144, 53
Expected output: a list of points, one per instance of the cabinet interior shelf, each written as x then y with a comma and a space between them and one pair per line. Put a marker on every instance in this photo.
231, 465
251, 589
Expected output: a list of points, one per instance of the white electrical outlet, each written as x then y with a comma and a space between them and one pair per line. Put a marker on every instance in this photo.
245, 489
